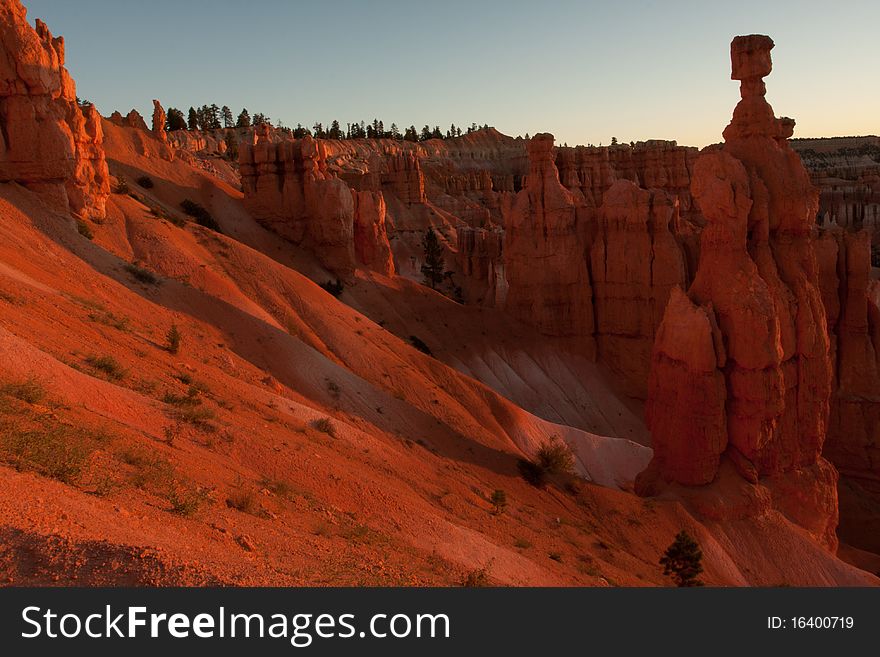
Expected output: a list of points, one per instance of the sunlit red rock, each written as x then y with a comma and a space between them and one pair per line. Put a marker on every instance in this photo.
758, 277
48, 143
546, 252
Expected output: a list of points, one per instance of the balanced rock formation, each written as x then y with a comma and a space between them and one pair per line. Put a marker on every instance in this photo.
753, 318
159, 121
48, 143
545, 255
288, 188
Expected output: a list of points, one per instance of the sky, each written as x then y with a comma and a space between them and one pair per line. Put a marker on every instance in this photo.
584, 71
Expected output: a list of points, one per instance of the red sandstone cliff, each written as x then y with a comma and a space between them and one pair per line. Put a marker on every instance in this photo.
545, 252
48, 142
288, 188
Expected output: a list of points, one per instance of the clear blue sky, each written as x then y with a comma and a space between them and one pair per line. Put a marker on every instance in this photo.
585, 71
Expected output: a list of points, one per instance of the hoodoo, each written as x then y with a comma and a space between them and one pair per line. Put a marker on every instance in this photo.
741, 368
48, 142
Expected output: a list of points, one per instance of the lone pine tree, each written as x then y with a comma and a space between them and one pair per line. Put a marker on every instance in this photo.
682, 560
434, 269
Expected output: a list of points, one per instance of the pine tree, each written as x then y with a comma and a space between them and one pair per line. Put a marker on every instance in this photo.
244, 119
192, 120
426, 133
175, 120
411, 134
226, 114
434, 269
335, 131
395, 132
682, 561
435, 133
213, 116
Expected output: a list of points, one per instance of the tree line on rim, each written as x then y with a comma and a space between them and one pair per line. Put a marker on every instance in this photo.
212, 117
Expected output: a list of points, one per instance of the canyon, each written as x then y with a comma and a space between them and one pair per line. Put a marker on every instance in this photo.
700, 328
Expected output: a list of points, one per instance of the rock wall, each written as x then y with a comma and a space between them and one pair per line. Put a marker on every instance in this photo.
47, 141
545, 252
847, 172
755, 314
288, 188
635, 262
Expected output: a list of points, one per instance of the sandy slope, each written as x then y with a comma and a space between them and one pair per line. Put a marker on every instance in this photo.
399, 495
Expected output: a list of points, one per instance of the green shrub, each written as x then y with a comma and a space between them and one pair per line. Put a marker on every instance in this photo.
108, 365
146, 182
477, 578
121, 186
184, 498
324, 425
173, 339
198, 416
109, 319
532, 473
244, 501
29, 391
58, 451
191, 398
555, 457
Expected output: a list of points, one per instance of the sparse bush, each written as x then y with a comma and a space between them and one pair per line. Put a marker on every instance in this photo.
151, 472
173, 339
184, 498
84, 229
142, 275
522, 544
29, 391
555, 457
146, 182
334, 288
532, 473
108, 365
244, 501
556, 556
200, 214
57, 451
477, 578
109, 319
324, 425
121, 186
682, 561
191, 398
198, 416
499, 501
420, 345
